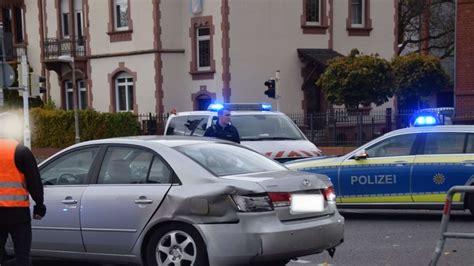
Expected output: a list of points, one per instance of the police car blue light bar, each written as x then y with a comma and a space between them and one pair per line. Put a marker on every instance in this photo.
215, 107
240, 106
425, 120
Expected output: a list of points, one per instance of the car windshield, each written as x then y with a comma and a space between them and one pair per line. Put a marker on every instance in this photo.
266, 127
226, 159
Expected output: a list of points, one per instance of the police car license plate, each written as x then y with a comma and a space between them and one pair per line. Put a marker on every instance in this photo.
304, 203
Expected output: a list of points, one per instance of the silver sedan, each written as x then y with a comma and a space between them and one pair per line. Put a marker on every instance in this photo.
181, 201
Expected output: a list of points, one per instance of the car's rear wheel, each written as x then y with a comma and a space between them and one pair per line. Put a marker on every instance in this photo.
176, 244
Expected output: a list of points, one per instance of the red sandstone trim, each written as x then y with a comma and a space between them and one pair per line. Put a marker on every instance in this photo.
315, 29
87, 34
331, 27
197, 22
225, 28
157, 44
119, 36
202, 91
111, 77
367, 27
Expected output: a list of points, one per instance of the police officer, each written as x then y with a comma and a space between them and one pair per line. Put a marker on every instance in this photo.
19, 176
223, 129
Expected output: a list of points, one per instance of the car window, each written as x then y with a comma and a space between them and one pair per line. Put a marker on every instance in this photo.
159, 173
177, 126
226, 159
127, 165
444, 143
196, 125
266, 127
394, 146
69, 169
470, 144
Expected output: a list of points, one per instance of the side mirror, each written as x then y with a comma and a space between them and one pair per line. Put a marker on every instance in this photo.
362, 155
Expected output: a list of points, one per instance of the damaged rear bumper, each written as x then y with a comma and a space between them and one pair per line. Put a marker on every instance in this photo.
265, 238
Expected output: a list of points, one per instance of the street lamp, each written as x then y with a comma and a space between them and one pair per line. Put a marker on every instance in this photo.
70, 59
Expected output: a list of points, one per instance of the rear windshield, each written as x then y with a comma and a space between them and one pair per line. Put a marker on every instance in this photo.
226, 159
266, 127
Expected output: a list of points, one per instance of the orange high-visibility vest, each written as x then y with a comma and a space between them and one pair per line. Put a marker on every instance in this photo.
13, 191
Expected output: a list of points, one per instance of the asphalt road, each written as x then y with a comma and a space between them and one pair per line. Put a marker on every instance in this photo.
382, 238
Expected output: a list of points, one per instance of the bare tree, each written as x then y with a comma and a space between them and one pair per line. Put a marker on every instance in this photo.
426, 26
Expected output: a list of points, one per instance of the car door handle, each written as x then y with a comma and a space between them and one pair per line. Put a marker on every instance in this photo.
400, 163
143, 200
69, 201
468, 163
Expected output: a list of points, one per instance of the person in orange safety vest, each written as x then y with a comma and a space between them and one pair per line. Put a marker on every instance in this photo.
19, 178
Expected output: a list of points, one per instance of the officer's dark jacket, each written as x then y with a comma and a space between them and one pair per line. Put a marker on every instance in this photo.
227, 133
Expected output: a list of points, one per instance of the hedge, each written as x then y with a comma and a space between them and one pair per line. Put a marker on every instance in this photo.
54, 128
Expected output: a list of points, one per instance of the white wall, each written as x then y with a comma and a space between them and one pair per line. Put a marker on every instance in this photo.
143, 65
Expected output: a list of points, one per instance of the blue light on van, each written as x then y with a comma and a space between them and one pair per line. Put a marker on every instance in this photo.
215, 107
266, 107
426, 120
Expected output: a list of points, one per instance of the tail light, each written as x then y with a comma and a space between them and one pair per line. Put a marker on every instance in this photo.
253, 203
280, 199
329, 193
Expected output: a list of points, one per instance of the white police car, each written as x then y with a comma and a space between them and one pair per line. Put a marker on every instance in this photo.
271, 133
406, 168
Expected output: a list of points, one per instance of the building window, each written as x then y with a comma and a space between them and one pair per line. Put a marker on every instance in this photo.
120, 15
69, 92
201, 34
18, 16
357, 12
313, 12
65, 18
124, 97
359, 22
314, 19
120, 25
203, 49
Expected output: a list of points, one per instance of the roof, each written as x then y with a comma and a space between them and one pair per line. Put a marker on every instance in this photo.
321, 56
442, 128
232, 112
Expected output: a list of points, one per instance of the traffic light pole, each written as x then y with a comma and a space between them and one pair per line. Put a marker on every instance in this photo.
26, 112
277, 89
3, 61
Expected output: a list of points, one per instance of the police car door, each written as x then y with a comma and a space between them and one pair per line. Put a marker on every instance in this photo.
383, 176
446, 160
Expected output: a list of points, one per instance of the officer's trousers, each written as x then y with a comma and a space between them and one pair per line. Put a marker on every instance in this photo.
21, 236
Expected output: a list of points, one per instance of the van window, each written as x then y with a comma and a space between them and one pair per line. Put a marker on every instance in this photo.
266, 127
177, 126
192, 125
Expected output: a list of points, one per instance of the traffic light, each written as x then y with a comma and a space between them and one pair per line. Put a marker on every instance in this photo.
38, 85
270, 92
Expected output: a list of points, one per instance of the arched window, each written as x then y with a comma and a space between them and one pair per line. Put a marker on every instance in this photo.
69, 94
124, 97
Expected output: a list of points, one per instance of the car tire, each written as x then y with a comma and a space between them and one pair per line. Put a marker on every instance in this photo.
176, 243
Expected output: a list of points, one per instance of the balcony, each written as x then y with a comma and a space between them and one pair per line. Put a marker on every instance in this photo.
53, 48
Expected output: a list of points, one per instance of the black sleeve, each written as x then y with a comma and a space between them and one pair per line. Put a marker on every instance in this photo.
26, 163
236, 135
209, 132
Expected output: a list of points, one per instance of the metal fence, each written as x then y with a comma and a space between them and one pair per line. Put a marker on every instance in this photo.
337, 127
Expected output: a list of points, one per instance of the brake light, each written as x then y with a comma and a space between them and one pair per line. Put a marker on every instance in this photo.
280, 199
329, 193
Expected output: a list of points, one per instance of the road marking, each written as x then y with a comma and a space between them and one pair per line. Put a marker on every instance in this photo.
302, 261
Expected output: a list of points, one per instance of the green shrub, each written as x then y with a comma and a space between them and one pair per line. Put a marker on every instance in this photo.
54, 128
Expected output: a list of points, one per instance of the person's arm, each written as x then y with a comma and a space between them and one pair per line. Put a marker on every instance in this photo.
209, 132
237, 136
26, 163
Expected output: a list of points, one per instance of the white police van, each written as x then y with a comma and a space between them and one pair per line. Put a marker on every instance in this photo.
271, 133
407, 168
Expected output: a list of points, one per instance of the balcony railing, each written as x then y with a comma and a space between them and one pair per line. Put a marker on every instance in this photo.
53, 48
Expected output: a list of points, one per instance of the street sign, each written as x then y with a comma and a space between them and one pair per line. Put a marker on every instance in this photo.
7, 75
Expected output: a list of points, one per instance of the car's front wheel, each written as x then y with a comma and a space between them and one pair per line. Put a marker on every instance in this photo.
176, 244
